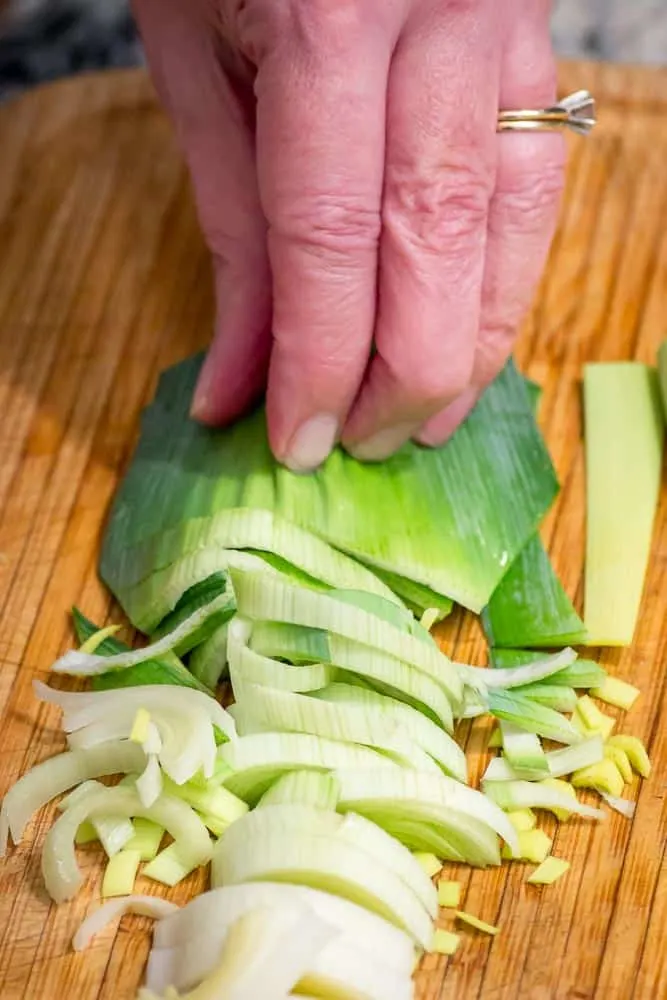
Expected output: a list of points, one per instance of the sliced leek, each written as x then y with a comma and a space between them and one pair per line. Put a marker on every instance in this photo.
624, 437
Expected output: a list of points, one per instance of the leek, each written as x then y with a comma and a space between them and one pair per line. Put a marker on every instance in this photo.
522, 820
636, 753
617, 692
429, 862
167, 669
559, 697
624, 446
444, 942
146, 838
537, 795
558, 762
173, 864
449, 894
530, 607
528, 715
479, 925
602, 777
534, 846
305, 787
145, 906
434, 516
208, 661
579, 674
523, 750
550, 870
621, 760
120, 874
589, 719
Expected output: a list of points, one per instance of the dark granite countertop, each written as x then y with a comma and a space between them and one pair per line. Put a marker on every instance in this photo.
45, 39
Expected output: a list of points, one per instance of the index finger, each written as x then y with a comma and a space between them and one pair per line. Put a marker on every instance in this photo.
320, 150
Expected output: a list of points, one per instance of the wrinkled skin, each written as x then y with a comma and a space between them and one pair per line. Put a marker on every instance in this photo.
353, 191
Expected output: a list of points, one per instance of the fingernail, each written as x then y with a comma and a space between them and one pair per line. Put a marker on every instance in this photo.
312, 443
383, 444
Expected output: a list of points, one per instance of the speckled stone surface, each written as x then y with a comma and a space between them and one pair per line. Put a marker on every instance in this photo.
44, 39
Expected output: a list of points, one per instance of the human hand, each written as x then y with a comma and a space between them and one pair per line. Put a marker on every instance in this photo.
375, 240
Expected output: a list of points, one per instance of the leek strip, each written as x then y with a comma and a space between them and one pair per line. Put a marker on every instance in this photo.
359, 789
253, 668
89, 664
173, 864
621, 760
558, 697
208, 661
269, 709
449, 894
534, 846
439, 745
617, 692
264, 598
559, 762
120, 874
144, 906
58, 774
522, 820
510, 706
146, 839
403, 682
536, 795
193, 599
444, 942
428, 862
210, 799
636, 752
513, 677
463, 841
326, 863
213, 911
168, 669
59, 867
624, 446
523, 750
529, 607
479, 925
299, 819
623, 806
113, 832
255, 762
579, 674
602, 777
550, 870
303, 787
90, 644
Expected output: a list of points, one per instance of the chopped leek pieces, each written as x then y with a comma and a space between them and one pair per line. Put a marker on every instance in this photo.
624, 435
549, 871
450, 519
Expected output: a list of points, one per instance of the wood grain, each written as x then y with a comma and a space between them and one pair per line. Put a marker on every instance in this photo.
103, 282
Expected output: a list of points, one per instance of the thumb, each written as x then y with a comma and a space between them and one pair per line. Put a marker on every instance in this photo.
212, 108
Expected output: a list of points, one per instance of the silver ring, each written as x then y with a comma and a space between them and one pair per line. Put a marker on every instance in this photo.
576, 112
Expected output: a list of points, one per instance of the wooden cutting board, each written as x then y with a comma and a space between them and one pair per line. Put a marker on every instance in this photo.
103, 282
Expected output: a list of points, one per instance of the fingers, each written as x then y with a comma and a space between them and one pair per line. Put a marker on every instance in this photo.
211, 108
523, 211
321, 92
440, 170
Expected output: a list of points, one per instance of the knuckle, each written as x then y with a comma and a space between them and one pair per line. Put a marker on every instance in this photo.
433, 385
328, 225
447, 207
533, 194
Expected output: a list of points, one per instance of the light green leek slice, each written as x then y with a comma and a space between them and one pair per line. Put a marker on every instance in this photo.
602, 777
536, 795
621, 760
450, 518
534, 846
304, 787
579, 674
208, 660
617, 692
636, 752
90, 644
88, 664
113, 832
550, 870
479, 925
146, 839
465, 840
269, 599
528, 715
120, 874
167, 669
425, 733
522, 820
386, 673
624, 437
173, 864
251, 668
530, 607
326, 863
211, 799
449, 894
590, 719
523, 750
429, 862
444, 942
559, 697
559, 762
